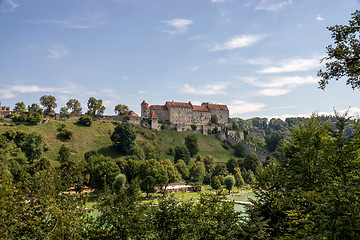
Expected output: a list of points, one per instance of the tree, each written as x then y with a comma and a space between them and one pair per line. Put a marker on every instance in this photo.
252, 162
191, 142
152, 151
104, 172
119, 183
232, 164
123, 137
64, 112
95, 107
85, 121
63, 154
181, 152
312, 194
215, 182
33, 146
34, 108
197, 173
343, 59
229, 182
240, 149
214, 119
20, 107
121, 110
182, 169
152, 174
239, 181
49, 103
74, 106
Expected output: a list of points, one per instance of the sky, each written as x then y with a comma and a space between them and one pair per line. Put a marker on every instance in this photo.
259, 57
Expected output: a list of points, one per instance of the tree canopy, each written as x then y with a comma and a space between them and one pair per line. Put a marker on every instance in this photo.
121, 110
123, 137
95, 106
49, 103
343, 58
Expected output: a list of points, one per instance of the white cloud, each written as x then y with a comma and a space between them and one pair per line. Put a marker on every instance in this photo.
272, 5
217, 1
8, 5
58, 51
208, 89
193, 69
293, 65
240, 107
179, 25
7, 91
273, 92
290, 82
319, 18
238, 41
238, 60
90, 20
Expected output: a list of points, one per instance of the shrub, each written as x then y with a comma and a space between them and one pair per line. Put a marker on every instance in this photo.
193, 127
85, 121
66, 133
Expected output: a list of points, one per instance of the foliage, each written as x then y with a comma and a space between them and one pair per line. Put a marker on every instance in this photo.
95, 106
123, 137
121, 110
214, 119
74, 106
66, 133
252, 162
232, 164
229, 182
85, 121
33, 146
19, 117
181, 152
119, 183
63, 154
49, 103
343, 59
152, 151
239, 181
193, 127
64, 112
314, 193
240, 149
182, 169
34, 108
197, 173
104, 172
152, 174
19, 107
215, 182
191, 142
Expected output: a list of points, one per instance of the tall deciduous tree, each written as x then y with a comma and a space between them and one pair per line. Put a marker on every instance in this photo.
191, 142
343, 58
49, 103
229, 182
121, 110
181, 152
33, 146
123, 137
95, 106
74, 106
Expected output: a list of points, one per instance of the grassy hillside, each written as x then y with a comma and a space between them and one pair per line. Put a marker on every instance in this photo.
97, 137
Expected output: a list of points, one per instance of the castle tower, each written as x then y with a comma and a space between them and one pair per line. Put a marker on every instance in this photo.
145, 110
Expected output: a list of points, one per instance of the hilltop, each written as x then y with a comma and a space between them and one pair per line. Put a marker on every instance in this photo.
97, 138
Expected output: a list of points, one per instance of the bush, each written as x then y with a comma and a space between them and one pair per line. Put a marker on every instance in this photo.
85, 121
66, 133
193, 127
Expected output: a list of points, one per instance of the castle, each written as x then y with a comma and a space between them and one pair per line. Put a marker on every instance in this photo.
182, 115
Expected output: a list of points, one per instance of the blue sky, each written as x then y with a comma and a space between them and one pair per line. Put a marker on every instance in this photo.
260, 57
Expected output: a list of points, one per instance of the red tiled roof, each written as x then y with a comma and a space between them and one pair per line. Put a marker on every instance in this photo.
217, 107
179, 104
200, 108
144, 102
153, 116
158, 107
133, 114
